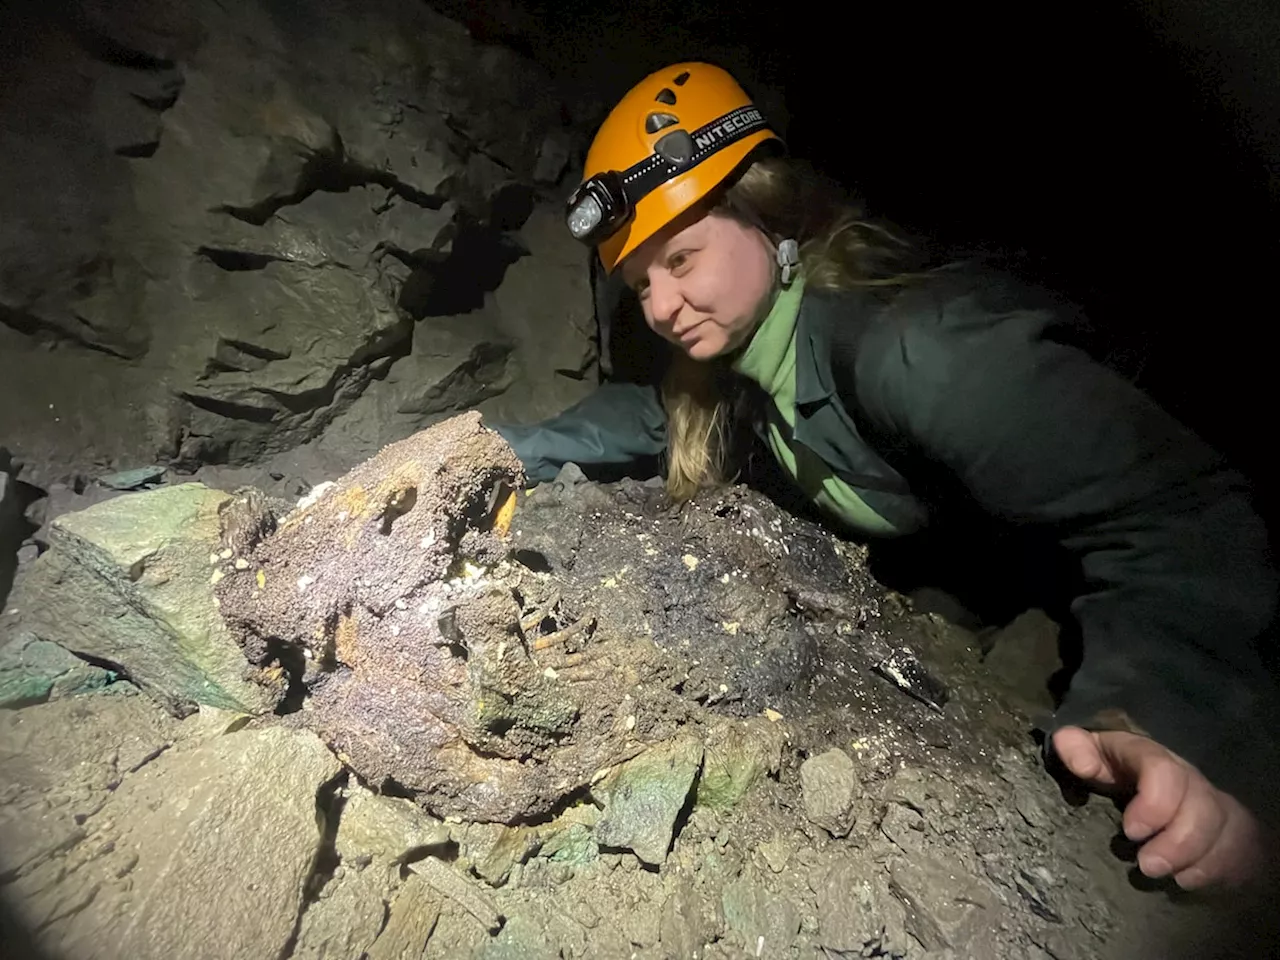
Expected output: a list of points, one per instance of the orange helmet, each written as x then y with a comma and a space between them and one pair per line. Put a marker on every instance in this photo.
668, 143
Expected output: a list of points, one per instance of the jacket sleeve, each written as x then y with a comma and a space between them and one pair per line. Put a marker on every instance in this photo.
606, 433
1178, 588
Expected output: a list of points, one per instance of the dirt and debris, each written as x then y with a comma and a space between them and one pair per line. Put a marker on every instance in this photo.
623, 729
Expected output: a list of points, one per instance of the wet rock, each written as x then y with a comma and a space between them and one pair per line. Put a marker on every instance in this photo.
709, 584
145, 559
644, 797
34, 670
830, 785
548, 528
765, 924
240, 809
737, 755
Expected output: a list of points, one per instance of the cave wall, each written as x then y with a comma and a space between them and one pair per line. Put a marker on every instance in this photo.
226, 227
229, 229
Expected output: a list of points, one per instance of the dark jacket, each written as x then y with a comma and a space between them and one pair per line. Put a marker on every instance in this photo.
967, 395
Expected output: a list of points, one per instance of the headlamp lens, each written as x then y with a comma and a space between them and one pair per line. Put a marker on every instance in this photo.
585, 217
598, 208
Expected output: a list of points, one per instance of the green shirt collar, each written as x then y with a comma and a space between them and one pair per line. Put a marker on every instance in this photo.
764, 357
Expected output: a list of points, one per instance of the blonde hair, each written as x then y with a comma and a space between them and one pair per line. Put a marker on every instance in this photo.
839, 250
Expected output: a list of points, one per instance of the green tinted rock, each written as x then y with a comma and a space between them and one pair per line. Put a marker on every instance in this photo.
645, 795
35, 671
737, 755
575, 845
128, 581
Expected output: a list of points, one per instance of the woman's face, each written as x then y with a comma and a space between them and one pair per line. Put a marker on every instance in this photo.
703, 282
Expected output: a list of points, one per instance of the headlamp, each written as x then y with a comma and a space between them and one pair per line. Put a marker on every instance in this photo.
603, 203
598, 208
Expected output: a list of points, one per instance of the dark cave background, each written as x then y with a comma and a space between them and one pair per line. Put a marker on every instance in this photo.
1124, 153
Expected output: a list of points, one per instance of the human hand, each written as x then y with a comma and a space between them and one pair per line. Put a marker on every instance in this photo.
1186, 826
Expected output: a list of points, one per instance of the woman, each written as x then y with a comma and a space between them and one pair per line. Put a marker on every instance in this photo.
894, 397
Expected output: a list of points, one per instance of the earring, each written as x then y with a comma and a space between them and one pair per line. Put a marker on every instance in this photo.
788, 260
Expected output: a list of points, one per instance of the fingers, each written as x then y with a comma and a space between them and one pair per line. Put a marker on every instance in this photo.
1234, 856
1079, 752
1192, 831
1164, 787
1190, 835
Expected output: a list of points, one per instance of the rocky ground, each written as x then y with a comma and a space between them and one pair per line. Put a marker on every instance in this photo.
775, 756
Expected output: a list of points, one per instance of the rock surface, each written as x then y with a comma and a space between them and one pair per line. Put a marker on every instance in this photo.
127, 582
760, 921
61, 762
644, 797
230, 244
422, 674
239, 809
411, 919
736, 757
955, 842
830, 783
1022, 656
34, 671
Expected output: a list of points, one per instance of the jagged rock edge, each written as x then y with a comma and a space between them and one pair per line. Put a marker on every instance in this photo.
34, 326
331, 170
378, 348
